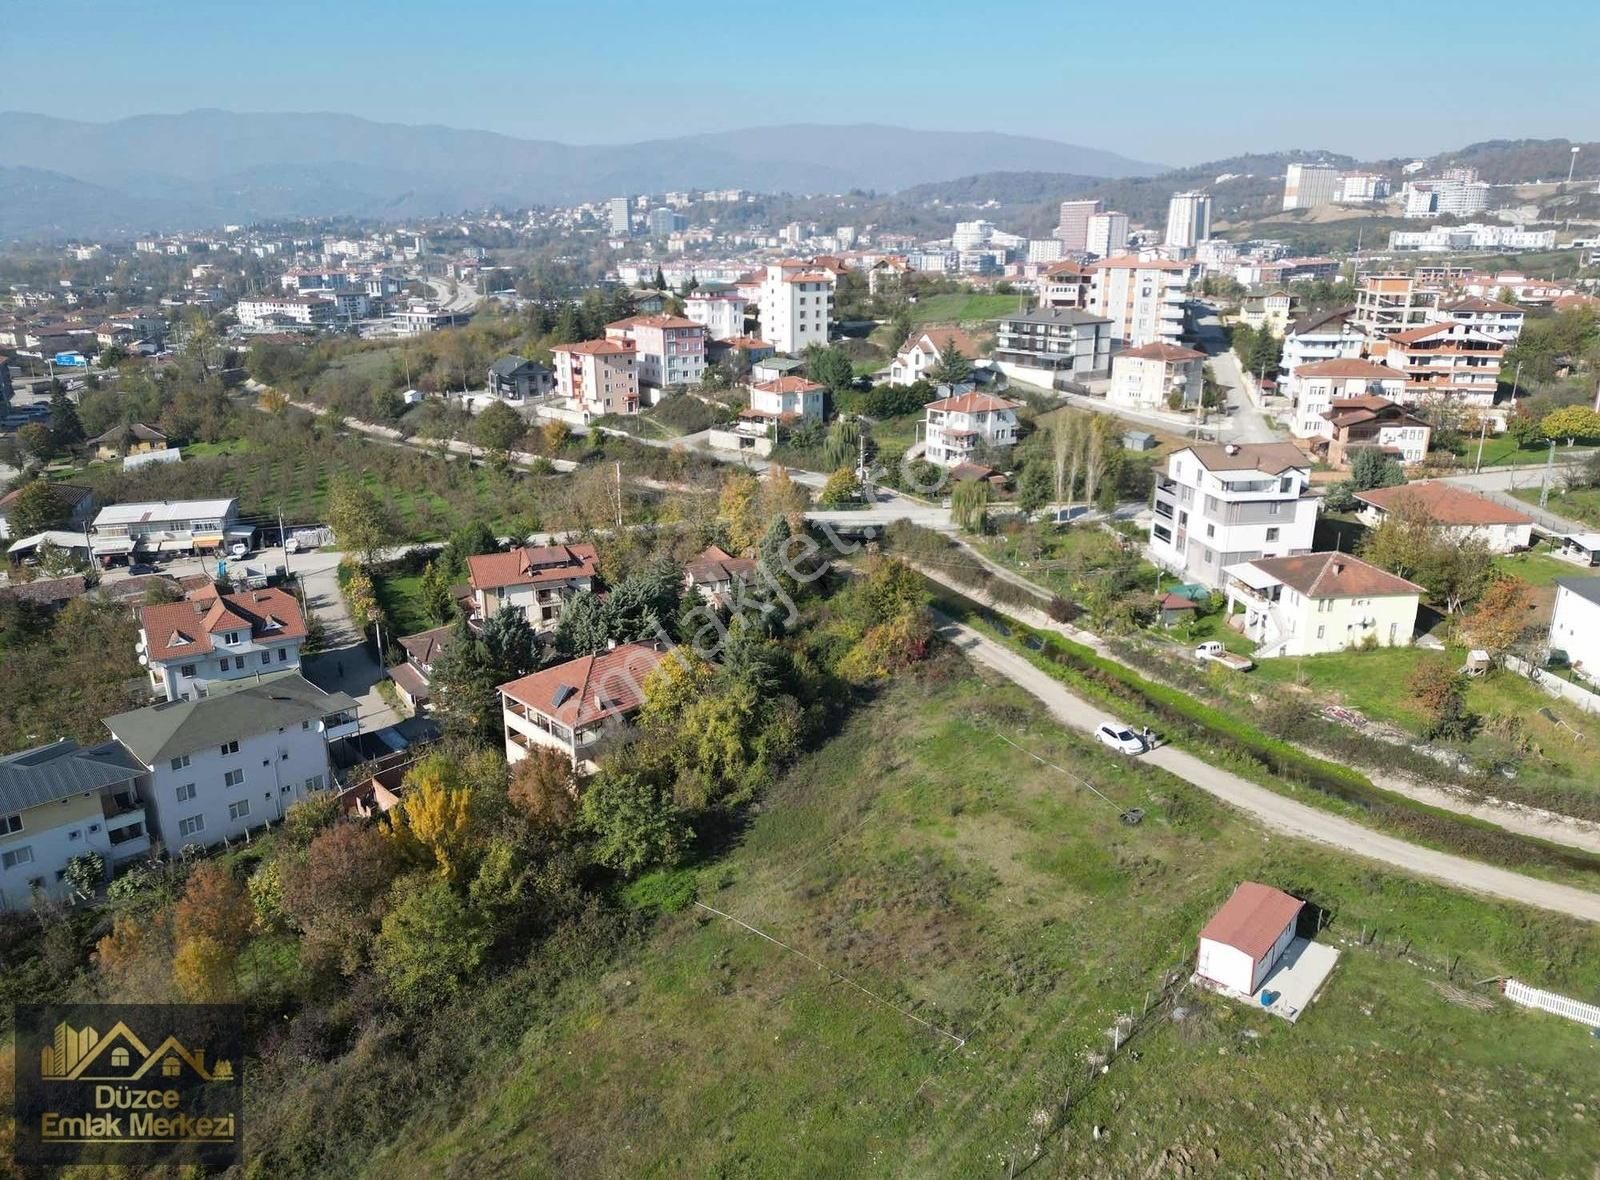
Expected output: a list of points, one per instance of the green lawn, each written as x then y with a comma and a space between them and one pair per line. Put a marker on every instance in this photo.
962, 308
401, 598
1503, 451
971, 890
1536, 567
1582, 504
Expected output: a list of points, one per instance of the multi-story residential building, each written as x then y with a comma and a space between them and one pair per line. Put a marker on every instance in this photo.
276, 310
1367, 423
188, 646
1269, 309
663, 223
786, 399
1322, 336
537, 581
1309, 186
1044, 250
1072, 228
1054, 342
955, 427
1447, 360
1575, 625
1218, 505
669, 350
516, 378
413, 678
1463, 514
1157, 377
1390, 303
619, 214
1315, 387
796, 306
1106, 235
1143, 298
167, 527
1065, 284
597, 377
1361, 188
1320, 602
719, 308
1188, 220
921, 353
569, 707
1487, 317
1472, 236
58, 802
219, 766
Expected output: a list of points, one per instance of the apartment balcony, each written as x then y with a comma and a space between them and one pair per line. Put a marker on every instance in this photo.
340, 725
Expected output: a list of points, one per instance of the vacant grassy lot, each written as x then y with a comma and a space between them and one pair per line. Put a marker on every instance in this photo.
1581, 504
975, 892
961, 309
401, 598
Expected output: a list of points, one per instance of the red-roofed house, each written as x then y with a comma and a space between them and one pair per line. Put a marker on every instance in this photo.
921, 353
1316, 386
716, 574
537, 581
568, 707
1247, 936
1151, 376
597, 376
1459, 511
786, 399
186, 645
955, 427
669, 350
1312, 603
1446, 360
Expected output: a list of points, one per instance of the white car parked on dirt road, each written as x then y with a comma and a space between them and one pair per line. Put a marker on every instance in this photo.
1120, 738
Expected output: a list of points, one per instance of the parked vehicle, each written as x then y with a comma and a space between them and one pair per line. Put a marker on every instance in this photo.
238, 549
1120, 738
1217, 654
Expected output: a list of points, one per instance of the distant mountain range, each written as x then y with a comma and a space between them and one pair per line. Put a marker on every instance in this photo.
148, 172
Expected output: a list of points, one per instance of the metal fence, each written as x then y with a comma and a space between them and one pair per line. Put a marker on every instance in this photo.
1556, 686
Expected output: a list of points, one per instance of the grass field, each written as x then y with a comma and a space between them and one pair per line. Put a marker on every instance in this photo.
1582, 504
973, 891
401, 598
961, 308
1503, 451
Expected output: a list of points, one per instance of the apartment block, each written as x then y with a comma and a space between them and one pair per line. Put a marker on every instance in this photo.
1315, 388
719, 309
1106, 234
1308, 186
1072, 227
1448, 360
669, 351
598, 376
1390, 303
796, 305
1143, 298
955, 427
1053, 342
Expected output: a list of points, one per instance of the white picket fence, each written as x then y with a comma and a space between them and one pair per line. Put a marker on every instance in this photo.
1533, 997
1555, 685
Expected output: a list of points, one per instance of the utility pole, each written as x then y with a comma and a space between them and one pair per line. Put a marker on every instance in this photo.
619, 495
1483, 430
1549, 465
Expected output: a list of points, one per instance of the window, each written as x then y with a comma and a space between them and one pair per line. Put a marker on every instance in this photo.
75, 834
283, 655
180, 763
119, 1058
13, 857
1273, 508
185, 792
239, 810
1211, 530
1272, 534
227, 748
187, 670
1321, 631
11, 823
233, 778
314, 783
193, 825
305, 725
266, 657
170, 1068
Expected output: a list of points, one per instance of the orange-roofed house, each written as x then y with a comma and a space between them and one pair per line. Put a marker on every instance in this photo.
538, 581
1314, 603
921, 353
570, 706
1361, 423
1142, 297
1316, 386
786, 399
190, 644
597, 376
955, 427
1447, 360
1247, 936
1462, 513
1154, 376
669, 350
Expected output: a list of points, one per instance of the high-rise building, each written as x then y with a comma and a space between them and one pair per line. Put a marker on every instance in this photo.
1188, 220
1306, 186
796, 306
664, 222
621, 216
969, 235
1107, 234
1073, 227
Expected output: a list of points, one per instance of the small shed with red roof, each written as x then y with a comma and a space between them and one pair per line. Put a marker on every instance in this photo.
1247, 936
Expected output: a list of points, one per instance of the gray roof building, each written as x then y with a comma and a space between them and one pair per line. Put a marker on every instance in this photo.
59, 770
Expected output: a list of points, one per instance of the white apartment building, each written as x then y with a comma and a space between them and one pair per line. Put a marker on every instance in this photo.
1575, 624
1143, 298
219, 766
969, 235
1317, 603
955, 427
271, 310
1315, 387
1308, 186
1390, 303
1447, 360
1487, 317
1188, 220
59, 801
669, 351
1052, 342
187, 646
1107, 234
1153, 376
597, 377
719, 310
1072, 227
1323, 336
1218, 505
796, 306
1361, 188
166, 527
619, 216
1445, 239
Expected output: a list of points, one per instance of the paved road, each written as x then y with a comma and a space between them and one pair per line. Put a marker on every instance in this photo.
1279, 812
1497, 484
1246, 424
465, 299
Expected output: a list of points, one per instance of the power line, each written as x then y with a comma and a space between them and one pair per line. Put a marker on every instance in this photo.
1082, 782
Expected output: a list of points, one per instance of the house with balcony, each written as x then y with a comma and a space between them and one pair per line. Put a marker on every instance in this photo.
1371, 423
1143, 297
1157, 377
597, 377
167, 527
1271, 309
956, 427
1218, 505
717, 307
1065, 285
1449, 361
1487, 317
1321, 336
516, 379
920, 354
220, 766
571, 706
1316, 387
538, 581
59, 801
187, 646
1463, 514
413, 678
1314, 603
1390, 303
785, 399
1053, 346
669, 351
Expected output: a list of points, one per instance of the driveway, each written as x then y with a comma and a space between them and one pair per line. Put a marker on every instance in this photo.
1277, 812
345, 664
1246, 424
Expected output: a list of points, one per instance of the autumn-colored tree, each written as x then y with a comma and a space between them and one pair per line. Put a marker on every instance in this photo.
205, 971
841, 488
544, 788
335, 892
134, 960
1571, 423
671, 687
435, 817
359, 520
214, 907
738, 507
553, 435
1436, 686
781, 496
430, 942
1500, 616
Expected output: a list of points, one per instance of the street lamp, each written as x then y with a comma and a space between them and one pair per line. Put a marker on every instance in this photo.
1572, 163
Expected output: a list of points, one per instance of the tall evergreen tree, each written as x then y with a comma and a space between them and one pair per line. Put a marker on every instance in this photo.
463, 689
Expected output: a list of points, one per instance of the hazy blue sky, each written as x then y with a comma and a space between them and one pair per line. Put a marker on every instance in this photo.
1172, 82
